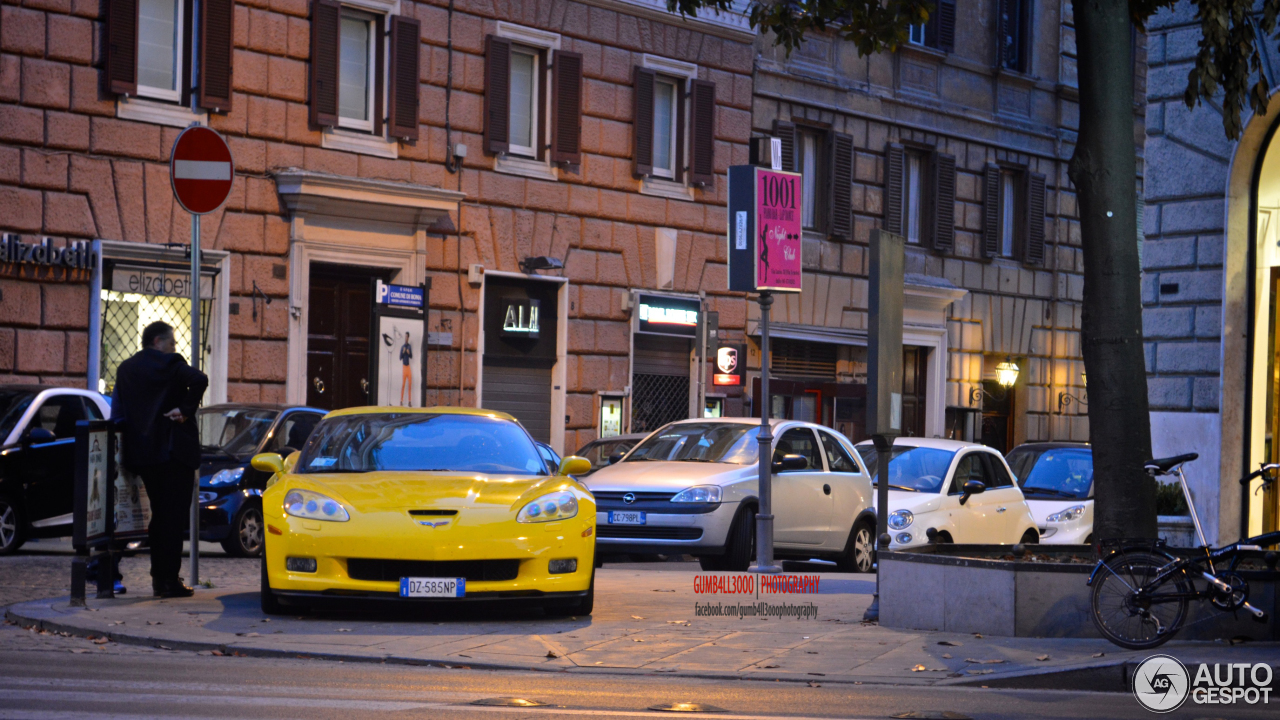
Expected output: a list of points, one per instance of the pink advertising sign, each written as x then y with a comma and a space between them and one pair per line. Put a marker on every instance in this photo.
778, 200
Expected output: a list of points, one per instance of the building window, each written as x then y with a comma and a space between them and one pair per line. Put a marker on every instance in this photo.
356, 71
1013, 33
665, 115
159, 54
913, 197
524, 102
1008, 212
809, 165
915, 34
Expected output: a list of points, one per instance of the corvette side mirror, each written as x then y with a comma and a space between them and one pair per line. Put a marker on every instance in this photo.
268, 463
972, 487
574, 465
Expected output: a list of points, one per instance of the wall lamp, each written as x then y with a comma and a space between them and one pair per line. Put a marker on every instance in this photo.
1006, 377
541, 262
1065, 398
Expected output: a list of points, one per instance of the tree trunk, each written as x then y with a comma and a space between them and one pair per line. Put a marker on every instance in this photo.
1104, 171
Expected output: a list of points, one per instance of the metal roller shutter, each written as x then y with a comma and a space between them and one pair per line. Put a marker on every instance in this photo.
524, 392
659, 382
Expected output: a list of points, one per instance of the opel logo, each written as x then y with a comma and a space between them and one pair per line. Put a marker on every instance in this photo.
629, 498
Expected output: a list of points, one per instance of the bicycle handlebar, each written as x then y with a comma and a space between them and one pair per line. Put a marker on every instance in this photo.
1267, 472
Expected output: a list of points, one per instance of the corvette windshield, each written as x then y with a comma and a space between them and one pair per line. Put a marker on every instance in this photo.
420, 442
733, 443
919, 469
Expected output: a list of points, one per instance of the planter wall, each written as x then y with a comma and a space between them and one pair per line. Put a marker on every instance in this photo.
1177, 530
968, 589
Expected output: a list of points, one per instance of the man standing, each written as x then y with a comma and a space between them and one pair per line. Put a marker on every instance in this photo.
155, 401
406, 375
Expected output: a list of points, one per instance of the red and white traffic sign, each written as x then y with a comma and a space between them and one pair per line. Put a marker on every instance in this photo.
201, 170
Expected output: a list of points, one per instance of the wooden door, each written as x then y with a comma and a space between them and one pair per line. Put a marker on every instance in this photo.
915, 385
338, 338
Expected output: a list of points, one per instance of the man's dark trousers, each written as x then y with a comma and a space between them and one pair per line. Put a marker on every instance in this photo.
169, 487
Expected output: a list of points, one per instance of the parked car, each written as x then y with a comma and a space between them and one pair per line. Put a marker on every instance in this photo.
1057, 481
230, 488
603, 451
37, 458
426, 504
950, 491
691, 487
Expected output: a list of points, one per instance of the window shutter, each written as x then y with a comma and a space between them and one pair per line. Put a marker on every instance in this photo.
566, 108
1005, 50
379, 73
840, 224
497, 94
325, 20
217, 18
946, 25
895, 159
1033, 253
991, 212
122, 47
944, 202
702, 165
786, 133
642, 117
402, 107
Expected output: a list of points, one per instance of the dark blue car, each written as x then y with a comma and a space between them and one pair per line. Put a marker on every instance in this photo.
231, 490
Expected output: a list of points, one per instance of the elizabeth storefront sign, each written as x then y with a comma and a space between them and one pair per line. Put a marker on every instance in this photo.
45, 260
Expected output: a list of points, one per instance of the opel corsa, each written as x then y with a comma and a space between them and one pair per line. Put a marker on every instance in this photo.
437, 505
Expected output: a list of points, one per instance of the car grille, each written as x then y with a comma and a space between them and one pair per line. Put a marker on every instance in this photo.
615, 496
649, 532
393, 570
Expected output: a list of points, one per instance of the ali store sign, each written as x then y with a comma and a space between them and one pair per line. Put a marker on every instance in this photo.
520, 318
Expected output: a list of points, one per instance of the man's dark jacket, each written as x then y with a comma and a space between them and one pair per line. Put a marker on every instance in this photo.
148, 385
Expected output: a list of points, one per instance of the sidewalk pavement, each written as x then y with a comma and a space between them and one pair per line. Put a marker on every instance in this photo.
644, 622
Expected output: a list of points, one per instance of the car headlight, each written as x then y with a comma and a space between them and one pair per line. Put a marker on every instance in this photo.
1072, 513
556, 506
699, 494
227, 477
314, 506
901, 519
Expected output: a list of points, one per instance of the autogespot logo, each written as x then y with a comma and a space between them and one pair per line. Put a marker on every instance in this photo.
1161, 683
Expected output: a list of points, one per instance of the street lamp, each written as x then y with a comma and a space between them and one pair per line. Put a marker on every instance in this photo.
1007, 373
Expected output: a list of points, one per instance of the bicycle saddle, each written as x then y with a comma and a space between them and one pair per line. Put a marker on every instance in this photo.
1164, 465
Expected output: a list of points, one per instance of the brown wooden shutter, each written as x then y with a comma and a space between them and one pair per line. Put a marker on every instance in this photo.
944, 202
402, 106
786, 134
702, 134
325, 41
946, 26
895, 160
217, 18
122, 47
1033, 252
642, 121
497, 94
840, 224
566, 108
991, 212
379, 72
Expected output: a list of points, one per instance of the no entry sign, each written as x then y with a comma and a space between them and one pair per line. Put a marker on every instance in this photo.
200, 170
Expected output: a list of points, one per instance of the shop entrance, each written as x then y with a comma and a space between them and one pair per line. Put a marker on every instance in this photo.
520, 319
659, 382
339, 306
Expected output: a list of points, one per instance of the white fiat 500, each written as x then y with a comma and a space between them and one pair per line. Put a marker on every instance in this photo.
1057, 481
949, 491
691, 487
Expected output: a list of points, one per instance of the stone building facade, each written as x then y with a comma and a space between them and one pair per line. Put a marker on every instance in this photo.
959, 140
1209, 284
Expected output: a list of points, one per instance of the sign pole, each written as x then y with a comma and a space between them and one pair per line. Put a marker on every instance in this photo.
764, 519
195, 364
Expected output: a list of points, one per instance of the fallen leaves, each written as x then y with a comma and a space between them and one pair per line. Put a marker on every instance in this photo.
814, 683
918, 668
946, 656
636, 617
551, 654
248, 634
979, 672
101, 641
947, 643
157, 622
1042, 658
1098, 655
984, 662
344, 629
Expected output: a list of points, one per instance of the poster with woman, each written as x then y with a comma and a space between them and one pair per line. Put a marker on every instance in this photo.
400, 347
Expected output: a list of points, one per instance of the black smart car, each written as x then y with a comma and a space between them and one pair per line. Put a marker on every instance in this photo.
230, 489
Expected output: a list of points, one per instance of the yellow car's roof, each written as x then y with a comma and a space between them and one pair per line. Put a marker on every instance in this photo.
441, 410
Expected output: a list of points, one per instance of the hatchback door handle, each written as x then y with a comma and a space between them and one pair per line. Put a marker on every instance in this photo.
826, 489
1000, 510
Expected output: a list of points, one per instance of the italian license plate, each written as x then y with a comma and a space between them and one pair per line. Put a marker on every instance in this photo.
433, 587
626, 517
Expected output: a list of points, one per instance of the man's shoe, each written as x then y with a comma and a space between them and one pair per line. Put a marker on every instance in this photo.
120, 589
177, 590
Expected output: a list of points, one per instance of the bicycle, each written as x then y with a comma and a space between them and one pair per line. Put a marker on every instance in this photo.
1141, 590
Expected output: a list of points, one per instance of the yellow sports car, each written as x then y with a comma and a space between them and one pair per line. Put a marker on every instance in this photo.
432, 504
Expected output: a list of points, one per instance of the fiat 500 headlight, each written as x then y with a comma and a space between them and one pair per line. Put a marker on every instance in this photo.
227, 477
699, 494
1072, 513
314, 506
556, 506
901, 519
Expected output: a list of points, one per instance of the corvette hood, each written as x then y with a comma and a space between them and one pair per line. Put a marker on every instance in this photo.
383, 491
642, 475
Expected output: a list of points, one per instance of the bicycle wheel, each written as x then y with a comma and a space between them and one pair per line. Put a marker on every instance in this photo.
1133, 620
